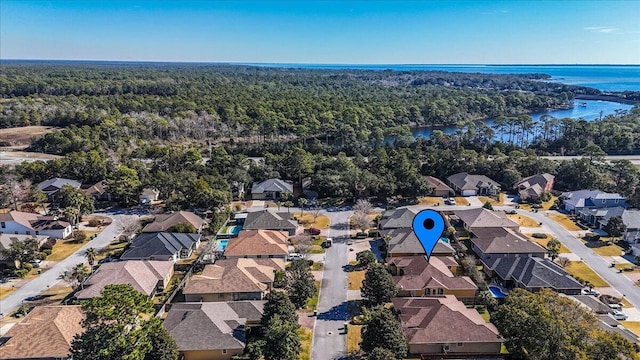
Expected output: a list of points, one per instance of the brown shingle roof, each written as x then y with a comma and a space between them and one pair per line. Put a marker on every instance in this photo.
481, 217
33, 221
420, 274
165, 221
258, 242
143, 275
46, 332
442, 320
437, 184
234, 275
504, 241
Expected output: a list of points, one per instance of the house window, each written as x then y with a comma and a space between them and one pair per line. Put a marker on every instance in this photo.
616, 201
460, 344
446, 347
37, 232
440, 292
3, 224
28, 232
603, 201
224, 351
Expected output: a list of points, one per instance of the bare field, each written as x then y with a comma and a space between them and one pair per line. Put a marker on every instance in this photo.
21, 136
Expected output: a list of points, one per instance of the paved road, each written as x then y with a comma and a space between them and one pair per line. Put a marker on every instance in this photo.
617, 280
51, 277
635, 159
329, 341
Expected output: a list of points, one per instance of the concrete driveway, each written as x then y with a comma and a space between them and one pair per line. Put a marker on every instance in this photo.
52, 276
329, 340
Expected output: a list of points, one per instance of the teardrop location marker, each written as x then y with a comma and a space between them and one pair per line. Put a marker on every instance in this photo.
428, 226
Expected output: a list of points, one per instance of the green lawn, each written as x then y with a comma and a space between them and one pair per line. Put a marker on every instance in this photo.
305, 340
312, 303
578, 269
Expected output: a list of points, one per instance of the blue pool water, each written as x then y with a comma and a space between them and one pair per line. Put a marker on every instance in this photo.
497, 292
235, 230
222, 244
444, 240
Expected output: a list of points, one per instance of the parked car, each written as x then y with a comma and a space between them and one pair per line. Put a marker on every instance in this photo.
295, 256
615, 306
37, 263
587, 291
619, 315
327, 243
314, 231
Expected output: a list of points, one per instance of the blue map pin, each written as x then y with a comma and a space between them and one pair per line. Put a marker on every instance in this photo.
428, 226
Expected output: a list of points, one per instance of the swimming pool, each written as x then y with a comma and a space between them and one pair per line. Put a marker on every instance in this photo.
222, 244
445, 240
497, 292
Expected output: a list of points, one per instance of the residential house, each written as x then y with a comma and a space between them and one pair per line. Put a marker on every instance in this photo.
7, 239
472, 185
233, 279
608, 323
490, 243
437, 187
575, 201
164, 222
600, 218
215, 331
398, 218
532, 187
162, 246
417, 276
404, 242
444, 326
147, 277
482, 218
271, 189
45, 333
149, 195
52, 186
258, 244
99, 191
18, 222
532, 274
271, 220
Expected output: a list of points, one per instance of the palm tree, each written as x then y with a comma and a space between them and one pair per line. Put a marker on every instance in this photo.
80, 273
302, 202
90, 254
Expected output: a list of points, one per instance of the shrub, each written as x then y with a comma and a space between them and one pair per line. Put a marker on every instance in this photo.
238, 207
21, 273
79, 236
539, 236
27, 266
49, 244
374, 233
95, 222
46, 252
592, 237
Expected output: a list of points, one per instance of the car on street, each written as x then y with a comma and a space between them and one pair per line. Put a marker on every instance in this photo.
588, 291
34, 298
314, 231
327, 243
619, 315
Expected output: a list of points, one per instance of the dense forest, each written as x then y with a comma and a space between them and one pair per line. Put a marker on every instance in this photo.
152, 124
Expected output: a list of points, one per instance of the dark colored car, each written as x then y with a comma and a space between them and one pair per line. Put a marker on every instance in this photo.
314, 231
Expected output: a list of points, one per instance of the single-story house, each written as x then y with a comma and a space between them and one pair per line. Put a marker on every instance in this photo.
18, 222
574, 201
212, 330
258, 244
404, 242
532, 274
532, 187
269, 219
437, 187
45, 333
490, 243
147, 277
149, 195
608, 323
7, 239
51, 186
482, 218
445, 326
271, 189
99, 190
472, 185
164, 222
600, 217
162, 246
232, 280
398, 218
417, 276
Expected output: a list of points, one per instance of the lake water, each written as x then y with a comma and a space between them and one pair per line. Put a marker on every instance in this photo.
602, 77
589, 112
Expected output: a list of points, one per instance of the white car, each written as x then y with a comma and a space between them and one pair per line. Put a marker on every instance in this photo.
295, 256
619, 315
615, 306
587, 291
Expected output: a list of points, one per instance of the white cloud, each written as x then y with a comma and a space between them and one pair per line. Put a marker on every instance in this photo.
601, 29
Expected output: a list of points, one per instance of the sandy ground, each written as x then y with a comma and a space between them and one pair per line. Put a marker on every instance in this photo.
21, 136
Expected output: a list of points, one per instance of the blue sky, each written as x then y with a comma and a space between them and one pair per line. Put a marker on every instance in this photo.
342, 32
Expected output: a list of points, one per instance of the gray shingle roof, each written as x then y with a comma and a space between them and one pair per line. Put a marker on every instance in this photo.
269, 220
404, 241
212, 325
483, 218
272, 185
398, 218
465, 181
504, 241
147, 245
59, 183
533, 272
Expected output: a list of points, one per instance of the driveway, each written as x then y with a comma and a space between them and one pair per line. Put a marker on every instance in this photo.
52, 276
329, 340
617, 280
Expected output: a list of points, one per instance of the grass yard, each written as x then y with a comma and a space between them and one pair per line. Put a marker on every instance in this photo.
354, 336
62, 249
523, 220
547, 204
460, 200
608, 250
544, 242
632, 325
306, 220
625, 303
112, 248
578, 269
305, 340
312, 303
430, 201
484, 313
625, 266
6, 291
355, 279
492, 200
316, 247
563, 220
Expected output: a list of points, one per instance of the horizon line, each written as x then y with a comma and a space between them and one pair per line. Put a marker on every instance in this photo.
249, 63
